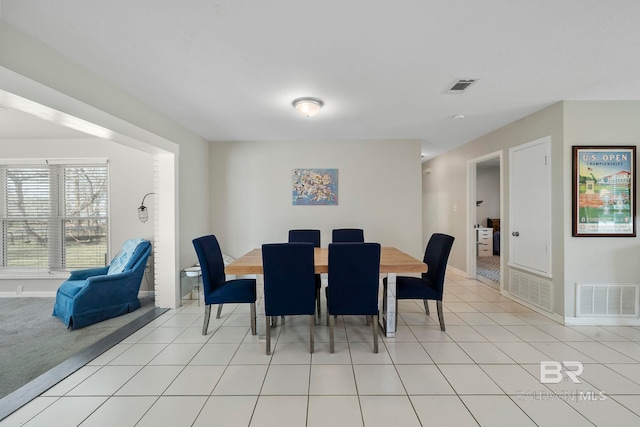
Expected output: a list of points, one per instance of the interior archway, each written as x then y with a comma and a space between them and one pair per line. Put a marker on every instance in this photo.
30, 97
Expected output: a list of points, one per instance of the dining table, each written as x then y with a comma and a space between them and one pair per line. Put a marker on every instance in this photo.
392, 262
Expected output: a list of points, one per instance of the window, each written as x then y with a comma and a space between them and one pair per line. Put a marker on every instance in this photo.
53, 216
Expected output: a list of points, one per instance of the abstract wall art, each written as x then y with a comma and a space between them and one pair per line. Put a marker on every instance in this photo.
315, 187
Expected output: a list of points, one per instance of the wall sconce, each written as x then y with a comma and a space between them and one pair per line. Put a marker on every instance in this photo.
143, 212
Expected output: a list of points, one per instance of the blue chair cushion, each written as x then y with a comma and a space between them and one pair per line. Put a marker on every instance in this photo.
122, 259
414, 288
233, 291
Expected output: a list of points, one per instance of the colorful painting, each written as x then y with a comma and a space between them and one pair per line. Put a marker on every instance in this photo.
315, 187
603, 191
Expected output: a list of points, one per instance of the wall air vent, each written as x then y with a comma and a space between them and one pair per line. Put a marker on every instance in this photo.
607, 300
532, 289
460, 85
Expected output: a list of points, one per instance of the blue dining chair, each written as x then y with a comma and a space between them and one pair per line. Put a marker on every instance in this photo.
430, 286
354, 277
309, 236
305, 235
289, 284
354, 235
218, 290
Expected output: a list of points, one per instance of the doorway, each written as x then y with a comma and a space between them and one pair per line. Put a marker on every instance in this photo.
485, 213
103, 125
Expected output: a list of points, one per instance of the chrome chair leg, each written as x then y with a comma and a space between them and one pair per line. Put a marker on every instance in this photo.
384, 301
319, 310
374, 319
440, 315
268, 334
253, 318
312, 324
331, 325
219, 311
367, 321
207, 315
396, 313
274, 321
426, 306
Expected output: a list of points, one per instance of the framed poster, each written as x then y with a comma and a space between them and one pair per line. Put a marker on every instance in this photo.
604, 194
315, 187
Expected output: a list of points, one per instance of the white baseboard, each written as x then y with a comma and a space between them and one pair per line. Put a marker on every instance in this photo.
488, 282
458, 271
52, 294
584, 321
590, 321
43, 294
602, 321
553, 316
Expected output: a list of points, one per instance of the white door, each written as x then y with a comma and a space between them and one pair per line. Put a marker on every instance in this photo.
530, 206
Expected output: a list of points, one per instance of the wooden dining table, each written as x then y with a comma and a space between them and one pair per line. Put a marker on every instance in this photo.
392, 262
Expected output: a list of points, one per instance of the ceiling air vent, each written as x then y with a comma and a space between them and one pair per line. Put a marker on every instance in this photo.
460, 85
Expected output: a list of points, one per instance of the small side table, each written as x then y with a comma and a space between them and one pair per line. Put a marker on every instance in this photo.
194, 272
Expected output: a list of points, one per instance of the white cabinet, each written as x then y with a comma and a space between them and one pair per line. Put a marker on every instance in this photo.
484, 241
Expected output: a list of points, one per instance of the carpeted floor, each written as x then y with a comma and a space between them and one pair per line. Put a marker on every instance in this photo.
489, 267
32, 341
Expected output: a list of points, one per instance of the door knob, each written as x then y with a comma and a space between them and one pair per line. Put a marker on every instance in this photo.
515, 233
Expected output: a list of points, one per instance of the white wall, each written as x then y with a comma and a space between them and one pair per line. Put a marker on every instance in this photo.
487, 190
445, 188
130, 178
379, 191
575, 259
598, 260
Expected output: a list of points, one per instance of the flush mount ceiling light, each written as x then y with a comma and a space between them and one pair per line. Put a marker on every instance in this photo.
458, 117
307, 106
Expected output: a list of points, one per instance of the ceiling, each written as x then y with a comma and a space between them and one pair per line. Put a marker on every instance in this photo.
228, 70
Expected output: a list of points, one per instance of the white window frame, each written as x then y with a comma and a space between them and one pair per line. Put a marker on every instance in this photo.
55, 230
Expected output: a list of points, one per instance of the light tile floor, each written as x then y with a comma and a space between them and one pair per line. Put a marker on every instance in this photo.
484, 370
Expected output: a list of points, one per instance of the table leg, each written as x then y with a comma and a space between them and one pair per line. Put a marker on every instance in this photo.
389, 317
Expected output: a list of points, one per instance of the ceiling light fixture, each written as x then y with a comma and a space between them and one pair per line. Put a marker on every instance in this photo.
307, 106
458, 116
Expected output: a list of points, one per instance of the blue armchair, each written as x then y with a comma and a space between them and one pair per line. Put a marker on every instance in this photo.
96, 294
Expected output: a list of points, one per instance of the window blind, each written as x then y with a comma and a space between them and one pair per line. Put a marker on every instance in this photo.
53, 217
